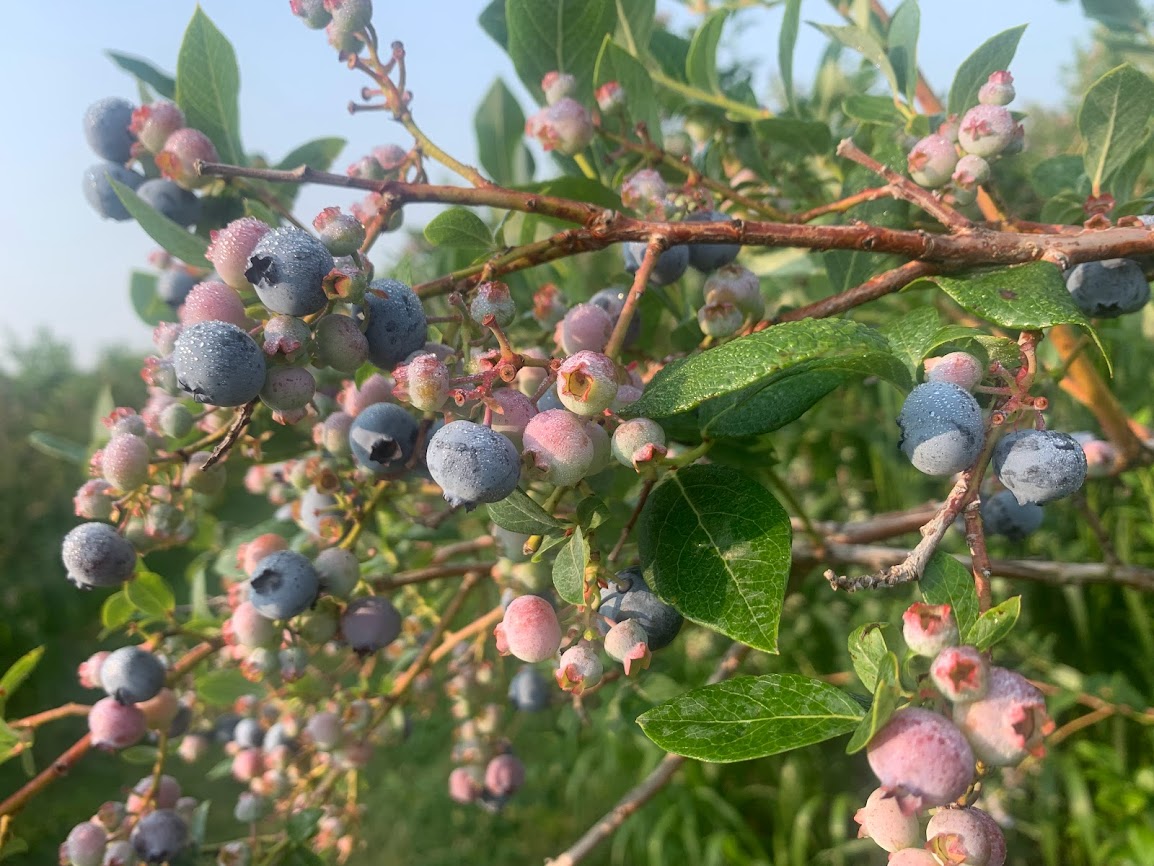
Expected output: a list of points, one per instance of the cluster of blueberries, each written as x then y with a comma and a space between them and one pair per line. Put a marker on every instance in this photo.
925, 756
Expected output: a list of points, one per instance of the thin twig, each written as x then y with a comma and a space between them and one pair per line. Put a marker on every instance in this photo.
646, 489
433, 572
235, 430
653, 252
980, 558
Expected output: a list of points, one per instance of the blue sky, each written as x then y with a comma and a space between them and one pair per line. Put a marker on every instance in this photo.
68, 269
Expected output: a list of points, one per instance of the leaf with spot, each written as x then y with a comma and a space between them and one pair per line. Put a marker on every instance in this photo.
562, 36
751, 717
716, 545
947, 581
995, 624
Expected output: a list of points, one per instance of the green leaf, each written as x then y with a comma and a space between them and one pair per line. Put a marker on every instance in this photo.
866, 44
299, 855
12, 846
995, 624
569, 568
867, 648
220, 688
750, 717
1112, 120
872, 109
492, 21
116, 611
763, 409
887, 694
261, 211
902, 46
518, 513
909, 334
207, 84
1116, 14
701, 61
947, 581
98, 432
148, 306
19, 671
302, 825
10, 741
142, 70
562, 35
320, 153
808, 136
150, 594
993, 55
459, 228
716, 545
592, 512
580, 188
141, 755
500, 127
768, 356
58, 447
175, 238
786, 44
635, 20
616, 64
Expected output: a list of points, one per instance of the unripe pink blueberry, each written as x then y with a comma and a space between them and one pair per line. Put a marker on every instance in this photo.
152, 124
213, 301
231, 247
958, 837
250, 629
354, 399
721, 319
922, 759
998, 89
530, 630
929, 628
986, 130
465, 784
628, 643
1100, 458
549, 305
585, 327
325, 730
972, 171
164, 337
193, 747
645, 191
114, 725
341, 233
504, 775
182, 149
610, 97
959, 368
580, 668
557, 447
247, 764
333, 433
250, 554
161, 710
564, 126
913, 857
511, 412
89, 670
961, 673
110, 815
94, 500
125, 462
288, 388
948, 128
737, 285
492, 298
390, 156
637, 441
164, 797
1009, 723
423, 382
882, 820
932, 161
994, 835
587, 383
85, 844
312, 12
557, 85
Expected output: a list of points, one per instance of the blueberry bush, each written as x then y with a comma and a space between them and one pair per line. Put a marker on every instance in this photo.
738, 433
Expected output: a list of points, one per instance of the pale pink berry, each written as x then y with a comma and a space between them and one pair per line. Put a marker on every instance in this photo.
125, 462
720, 319
585, 327
994, 836
645, 191
998, 89
958, 837
85, 845
247, 764
587, 383
1009, 723
231, 247
423, 382
549, 305
1100, 457
557, 85
960, 368
325, 730
922, 759
165, 795
465, 784
378, 388
610, 97
249, 554
882, 820
961, 673
737, 285
512, 411
161, 710
580, 668
213, 301
972, 171
564, 126
628, 643
194, 747
913, 857
89, 671
530, 630
152, 124
638, 441
557, 447
94, 500
986, 130
249, 629
504, 775
929, 628
114, 725
182, 149
932, 161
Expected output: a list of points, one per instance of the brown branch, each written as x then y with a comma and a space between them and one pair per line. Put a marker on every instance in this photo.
235, 430
432, 572
877, 528
446, 552
63, 711
875, 287
56, 770
979, 556
477, 626
844, 204
643, 792
653, 252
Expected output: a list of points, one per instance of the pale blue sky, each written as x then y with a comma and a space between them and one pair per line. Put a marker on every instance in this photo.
68, 269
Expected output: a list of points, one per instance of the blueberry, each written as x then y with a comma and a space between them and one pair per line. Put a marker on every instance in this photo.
1002, 515
709, 257
631, 598
312, 12
159, 836
382, 437
529, 691
932, 161
223, 727
671, 264
288, 267
95, 554
174, 284
106, 128
472, 463
986, 130
100, 193
1108, 289
283, 585
1039, 466
396, 324
218, 363
170, 200
248, 734
369, 624
942, 429
85, 844
612, 301
132, 675
339, 571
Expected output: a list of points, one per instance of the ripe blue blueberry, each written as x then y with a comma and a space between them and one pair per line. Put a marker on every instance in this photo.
106, 128
1108, 289
942, 429
382, 437
172, 201
629, 597
174, 284
288, 267
396, 323
671, 264
709, 257
529, 691
132, 675
159, 836
369, 624
1002, 515
95, 554
283, 585
472, 463
1040, 466
248, 734
218, 363
100, 194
